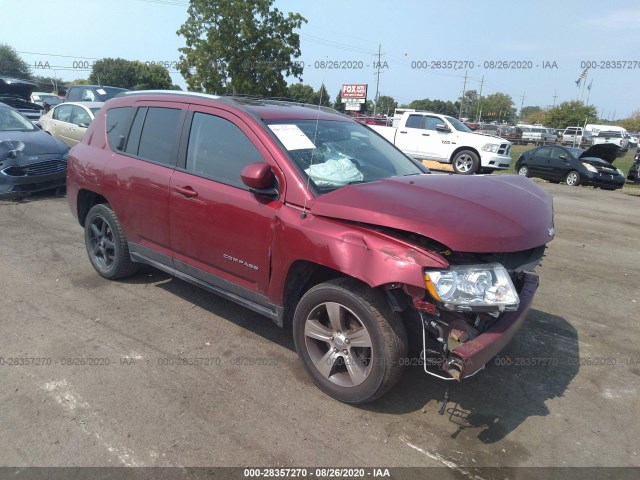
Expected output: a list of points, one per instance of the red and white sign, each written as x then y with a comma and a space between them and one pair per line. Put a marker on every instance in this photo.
353, 90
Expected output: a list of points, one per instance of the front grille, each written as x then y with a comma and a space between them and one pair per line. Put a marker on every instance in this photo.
504, 148
37, 169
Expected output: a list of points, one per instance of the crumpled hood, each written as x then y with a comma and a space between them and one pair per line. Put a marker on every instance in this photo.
35, 142
483, 214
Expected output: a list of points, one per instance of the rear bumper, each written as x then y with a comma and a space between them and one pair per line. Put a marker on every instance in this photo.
475, 353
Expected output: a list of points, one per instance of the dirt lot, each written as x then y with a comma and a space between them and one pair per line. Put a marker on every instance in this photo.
114, 386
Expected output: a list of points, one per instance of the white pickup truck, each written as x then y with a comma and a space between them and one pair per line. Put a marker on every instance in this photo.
431, 136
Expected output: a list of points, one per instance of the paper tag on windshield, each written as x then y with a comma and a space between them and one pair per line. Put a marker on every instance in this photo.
292, 137
101, 91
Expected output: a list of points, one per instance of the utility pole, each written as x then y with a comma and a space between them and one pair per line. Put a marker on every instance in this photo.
555, 95
480, 101
464, 87
521, 104
375, 105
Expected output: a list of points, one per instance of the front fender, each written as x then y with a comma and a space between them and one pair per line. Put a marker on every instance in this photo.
368, 255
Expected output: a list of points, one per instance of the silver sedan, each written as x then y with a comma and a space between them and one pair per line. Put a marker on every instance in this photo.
69, 121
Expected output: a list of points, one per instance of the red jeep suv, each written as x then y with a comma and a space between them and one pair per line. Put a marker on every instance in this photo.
315, 221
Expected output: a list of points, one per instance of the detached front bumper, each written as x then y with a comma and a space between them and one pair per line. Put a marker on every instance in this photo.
471, 356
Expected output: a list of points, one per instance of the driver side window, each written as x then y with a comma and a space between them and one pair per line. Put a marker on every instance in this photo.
432, 122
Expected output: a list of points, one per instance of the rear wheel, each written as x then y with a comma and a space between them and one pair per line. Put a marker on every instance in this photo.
572, 179
466, 162
349, 340
106, 244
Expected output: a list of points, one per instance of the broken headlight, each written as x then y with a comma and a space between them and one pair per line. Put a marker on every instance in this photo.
466, 288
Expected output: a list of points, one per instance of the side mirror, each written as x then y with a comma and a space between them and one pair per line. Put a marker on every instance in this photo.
441, 127
260, 179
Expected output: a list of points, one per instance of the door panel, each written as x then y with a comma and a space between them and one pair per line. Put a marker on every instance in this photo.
407, 137
218, 226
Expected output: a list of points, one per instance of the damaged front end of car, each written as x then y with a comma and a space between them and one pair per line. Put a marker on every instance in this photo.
466, 314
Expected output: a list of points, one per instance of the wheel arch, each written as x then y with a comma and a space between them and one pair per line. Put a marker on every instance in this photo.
85, 201
460, 149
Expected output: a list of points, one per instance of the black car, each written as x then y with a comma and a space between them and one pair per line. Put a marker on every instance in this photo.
575, 166
92, 93
30, 159
16, 93
634, 170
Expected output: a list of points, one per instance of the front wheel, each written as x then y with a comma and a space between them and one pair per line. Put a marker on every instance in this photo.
523, 171
349, 340
106, 244
466, 162
573, 178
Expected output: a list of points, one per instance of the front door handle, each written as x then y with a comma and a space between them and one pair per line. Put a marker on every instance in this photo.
426, 134
186, 191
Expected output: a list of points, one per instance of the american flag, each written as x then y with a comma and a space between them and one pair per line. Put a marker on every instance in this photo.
584, 73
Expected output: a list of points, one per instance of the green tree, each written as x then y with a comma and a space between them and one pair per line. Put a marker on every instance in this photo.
632, 123
571, 114
337, 104
540, 116
49, 84
235, 46
498, 107
469, 104
386, 105
11, 64
301, 92
149, 77
118, 72
115, 72
321, 97
529, 110
436, 106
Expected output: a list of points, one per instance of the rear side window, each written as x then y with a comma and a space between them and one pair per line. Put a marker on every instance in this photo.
413, 121
218, 149
63, 113
117, 126
154, 134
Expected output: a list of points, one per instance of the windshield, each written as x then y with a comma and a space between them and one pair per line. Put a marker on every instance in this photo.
106, 93
458, 125
610, 134
12, 121
335, 153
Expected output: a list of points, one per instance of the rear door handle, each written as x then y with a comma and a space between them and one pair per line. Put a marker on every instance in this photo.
425, 134
186, 191
402, 131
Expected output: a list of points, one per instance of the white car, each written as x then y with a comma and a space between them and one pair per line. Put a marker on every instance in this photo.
69, 121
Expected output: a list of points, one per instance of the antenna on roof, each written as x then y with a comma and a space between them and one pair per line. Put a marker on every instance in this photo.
303, 215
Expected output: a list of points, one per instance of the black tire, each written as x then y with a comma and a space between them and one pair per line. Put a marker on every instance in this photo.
465, 162
523, 171
106, 244
325, 340
572, 179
